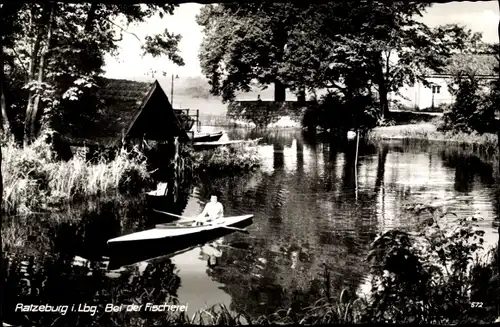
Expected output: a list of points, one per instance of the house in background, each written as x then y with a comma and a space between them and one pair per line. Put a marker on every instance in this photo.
120, 112
420, 97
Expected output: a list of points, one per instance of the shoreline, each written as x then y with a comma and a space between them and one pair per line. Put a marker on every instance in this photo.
426, 132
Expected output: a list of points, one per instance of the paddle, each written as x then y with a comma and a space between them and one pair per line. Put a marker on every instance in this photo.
174, 215
236, 229
188, 219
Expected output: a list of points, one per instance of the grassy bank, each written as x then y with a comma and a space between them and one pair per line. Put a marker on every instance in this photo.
34, 179
427, 132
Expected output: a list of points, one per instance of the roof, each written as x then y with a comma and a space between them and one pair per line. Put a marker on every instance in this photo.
478, 64
109, 112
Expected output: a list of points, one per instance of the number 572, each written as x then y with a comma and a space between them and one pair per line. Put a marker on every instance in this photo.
476, 304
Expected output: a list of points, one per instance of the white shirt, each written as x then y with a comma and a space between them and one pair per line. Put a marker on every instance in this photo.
214, 210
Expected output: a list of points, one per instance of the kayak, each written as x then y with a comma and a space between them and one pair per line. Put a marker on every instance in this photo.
167, 239
172, 231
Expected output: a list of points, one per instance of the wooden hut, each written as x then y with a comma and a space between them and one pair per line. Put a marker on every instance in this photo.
117, 113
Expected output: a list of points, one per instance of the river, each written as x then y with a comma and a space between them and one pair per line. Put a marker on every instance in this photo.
311, 209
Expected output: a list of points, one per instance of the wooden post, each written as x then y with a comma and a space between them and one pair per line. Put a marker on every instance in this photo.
356, 165
198, 124
172, 91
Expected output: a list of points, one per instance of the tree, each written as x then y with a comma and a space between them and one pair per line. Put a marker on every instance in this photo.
390, 48
476, 99
62, 47
248, 42
349, 46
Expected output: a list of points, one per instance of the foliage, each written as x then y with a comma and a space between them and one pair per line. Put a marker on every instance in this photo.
263, 113
64, 279
49, 47
34, 177
476, 101
231, 158
471, 110
425, 277
340, 114
486, 142
311, 46
247, 42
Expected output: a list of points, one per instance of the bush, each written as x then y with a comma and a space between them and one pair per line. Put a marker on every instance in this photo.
334, 112
472, 110
430, 276
244, 157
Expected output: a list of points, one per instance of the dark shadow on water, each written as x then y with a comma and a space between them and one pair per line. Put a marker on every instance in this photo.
59, 279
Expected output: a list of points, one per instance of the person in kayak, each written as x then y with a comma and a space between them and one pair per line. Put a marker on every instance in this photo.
214, 209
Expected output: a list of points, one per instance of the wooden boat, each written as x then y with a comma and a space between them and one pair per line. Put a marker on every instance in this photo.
208, 137
211, 145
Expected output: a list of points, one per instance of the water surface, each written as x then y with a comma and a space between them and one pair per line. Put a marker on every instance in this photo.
311, 208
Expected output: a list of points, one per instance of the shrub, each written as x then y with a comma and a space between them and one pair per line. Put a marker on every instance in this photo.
472, 109
427, 277
336, 113
244, 157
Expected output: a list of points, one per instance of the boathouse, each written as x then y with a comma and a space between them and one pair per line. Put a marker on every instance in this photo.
121, 112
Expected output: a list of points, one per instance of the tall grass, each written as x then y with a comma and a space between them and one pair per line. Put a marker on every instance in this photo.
34, 178
482, 142
323, 311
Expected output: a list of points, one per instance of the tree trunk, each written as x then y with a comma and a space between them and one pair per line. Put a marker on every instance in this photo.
5, 119
382, 87
3, 103
41, 73
90, 17
498, 202
301, 96
28, 133
279, 91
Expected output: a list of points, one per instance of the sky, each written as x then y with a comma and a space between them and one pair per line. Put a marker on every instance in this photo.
129, 64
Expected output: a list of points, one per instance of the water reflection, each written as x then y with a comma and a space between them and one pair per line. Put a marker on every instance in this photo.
307, 214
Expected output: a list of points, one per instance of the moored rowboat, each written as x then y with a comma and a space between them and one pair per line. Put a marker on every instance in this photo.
211, 145
208, 137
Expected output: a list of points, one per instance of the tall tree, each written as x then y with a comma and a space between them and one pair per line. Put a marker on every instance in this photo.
248, 42
61, 47
385, 44
349, 46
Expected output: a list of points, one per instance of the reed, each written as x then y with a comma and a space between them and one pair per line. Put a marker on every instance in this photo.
235, 158
481, 142
324, 311
35, 179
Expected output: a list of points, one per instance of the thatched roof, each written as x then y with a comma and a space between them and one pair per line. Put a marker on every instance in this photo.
109, 112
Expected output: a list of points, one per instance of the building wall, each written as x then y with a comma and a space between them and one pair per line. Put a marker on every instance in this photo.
419, 97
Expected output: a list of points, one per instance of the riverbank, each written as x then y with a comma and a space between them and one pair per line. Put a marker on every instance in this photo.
35, 179
428, 132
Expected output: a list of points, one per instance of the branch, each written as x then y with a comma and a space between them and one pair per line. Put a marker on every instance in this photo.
20, 61
122, 29
335, 85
